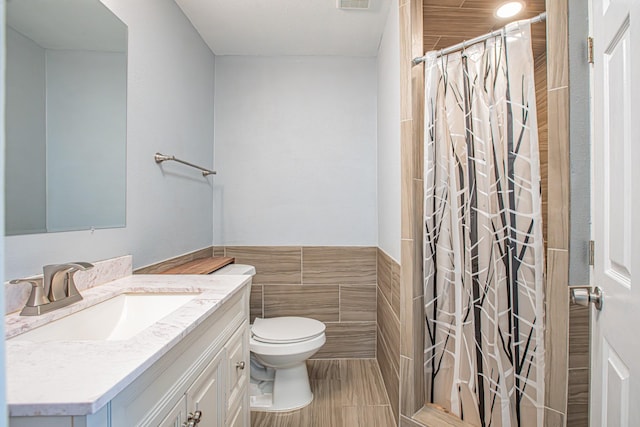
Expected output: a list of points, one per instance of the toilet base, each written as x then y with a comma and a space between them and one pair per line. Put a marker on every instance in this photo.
291, 390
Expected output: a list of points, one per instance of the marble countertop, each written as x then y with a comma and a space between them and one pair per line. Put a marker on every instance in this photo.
80, 377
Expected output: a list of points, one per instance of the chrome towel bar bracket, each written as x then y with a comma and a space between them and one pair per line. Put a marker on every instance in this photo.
159, 158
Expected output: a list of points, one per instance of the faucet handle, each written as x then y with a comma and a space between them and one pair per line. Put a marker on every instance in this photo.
71, 284
37, 297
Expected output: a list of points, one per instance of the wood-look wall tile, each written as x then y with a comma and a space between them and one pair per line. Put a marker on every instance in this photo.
389, 280
553, 418
367, 416
362, 383
255, 302
412, 334
357, 303
558, 170
218, 251
389, 327
578, 385
172, 262
274, 264
407, 164
407, 387
577, 415
389, 375
578, 336
313, 301
417, 123
556, 338
339, 265
558, 43
349, 340
417, 287
405, 61
417, 33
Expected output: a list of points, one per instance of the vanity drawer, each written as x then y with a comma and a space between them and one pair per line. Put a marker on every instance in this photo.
238, 369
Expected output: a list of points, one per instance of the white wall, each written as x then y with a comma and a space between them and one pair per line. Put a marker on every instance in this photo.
86, 89
389, 237
295, 151
169, 109
26, 211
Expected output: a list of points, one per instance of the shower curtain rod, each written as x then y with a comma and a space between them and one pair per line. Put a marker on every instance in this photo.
466, 43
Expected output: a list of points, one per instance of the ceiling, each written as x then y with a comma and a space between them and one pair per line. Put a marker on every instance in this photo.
448, 22
287, 27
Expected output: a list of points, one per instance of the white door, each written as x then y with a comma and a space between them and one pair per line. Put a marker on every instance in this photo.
615, 335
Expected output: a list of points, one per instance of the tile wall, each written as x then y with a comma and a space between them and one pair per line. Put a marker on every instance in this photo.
388, 319
578, 390
336, 285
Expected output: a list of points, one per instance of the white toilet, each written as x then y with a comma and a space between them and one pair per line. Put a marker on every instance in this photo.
280, 347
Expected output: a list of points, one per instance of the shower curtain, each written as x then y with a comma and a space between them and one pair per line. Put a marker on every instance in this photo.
483, 245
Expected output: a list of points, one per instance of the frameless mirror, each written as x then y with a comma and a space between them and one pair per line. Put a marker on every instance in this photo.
66, 88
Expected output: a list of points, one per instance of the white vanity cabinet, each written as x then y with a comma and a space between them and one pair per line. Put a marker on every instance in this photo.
207, 371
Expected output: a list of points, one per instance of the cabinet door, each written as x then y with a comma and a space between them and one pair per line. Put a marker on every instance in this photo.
177, 416
238, 367
207, 393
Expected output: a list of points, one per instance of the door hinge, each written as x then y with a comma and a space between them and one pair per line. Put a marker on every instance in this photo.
592, 252
590, 50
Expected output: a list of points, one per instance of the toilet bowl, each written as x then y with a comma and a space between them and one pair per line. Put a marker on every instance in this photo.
280, 347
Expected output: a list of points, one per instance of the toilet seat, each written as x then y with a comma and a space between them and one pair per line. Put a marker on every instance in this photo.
286, 330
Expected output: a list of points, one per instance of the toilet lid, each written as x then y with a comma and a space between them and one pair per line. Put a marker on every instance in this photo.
286, 329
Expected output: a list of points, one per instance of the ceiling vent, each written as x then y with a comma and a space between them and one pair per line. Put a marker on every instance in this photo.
352, 4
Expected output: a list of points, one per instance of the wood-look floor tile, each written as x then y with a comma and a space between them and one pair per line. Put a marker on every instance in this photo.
367, 416
332, 406
324, 369
362, 383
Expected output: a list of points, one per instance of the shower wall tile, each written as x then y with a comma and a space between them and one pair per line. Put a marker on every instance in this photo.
407, 164
357, 303
558, 156
320, 302
274, 264
349, 340
338, 265
553, 418
558, 43
556, 346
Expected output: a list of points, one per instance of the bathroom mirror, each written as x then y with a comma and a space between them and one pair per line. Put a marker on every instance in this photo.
66, 89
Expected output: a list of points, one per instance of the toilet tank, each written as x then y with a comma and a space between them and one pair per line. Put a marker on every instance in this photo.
237, 269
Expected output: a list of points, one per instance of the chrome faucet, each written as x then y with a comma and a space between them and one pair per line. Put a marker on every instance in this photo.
57, 288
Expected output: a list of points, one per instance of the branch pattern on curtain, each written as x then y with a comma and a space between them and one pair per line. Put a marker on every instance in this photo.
483, 247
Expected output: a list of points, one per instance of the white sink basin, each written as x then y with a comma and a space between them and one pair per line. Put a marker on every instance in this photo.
118, 318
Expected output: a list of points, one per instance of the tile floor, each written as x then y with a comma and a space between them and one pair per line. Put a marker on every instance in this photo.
347, 393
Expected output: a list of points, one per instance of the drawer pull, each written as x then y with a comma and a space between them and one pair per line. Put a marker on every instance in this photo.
240, 365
